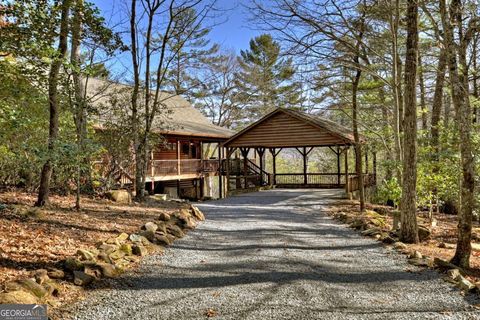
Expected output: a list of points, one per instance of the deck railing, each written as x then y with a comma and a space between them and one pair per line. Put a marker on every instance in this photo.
312, 179
187, 166
369, 180
156, 168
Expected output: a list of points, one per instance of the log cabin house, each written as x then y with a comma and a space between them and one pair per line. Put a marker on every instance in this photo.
179, 164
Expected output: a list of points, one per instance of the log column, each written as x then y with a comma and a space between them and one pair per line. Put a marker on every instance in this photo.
220, 182
261, 152
244, 152
227, 169
304, 154
152, 174
339, 170
179, 172
274, 153
347, 187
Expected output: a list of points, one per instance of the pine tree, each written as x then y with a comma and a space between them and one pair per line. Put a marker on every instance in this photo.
266, 80
191, 52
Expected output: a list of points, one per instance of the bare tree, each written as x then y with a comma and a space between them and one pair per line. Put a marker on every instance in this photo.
456, 52
53, 103
149, 46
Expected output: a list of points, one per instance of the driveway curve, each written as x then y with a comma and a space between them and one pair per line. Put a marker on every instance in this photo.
276, 255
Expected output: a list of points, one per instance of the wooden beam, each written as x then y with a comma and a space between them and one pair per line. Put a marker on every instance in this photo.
305, 177
347, 187
220, 182
333, 150
227, 169
152, 172
179, 171
261, 152
274, 163
202, 187
178, 188
338, 166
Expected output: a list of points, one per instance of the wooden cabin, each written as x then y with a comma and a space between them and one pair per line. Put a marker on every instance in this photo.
180, 166
182, 163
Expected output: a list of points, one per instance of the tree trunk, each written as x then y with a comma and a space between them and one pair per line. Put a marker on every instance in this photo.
435, 120
397, 89
423, 104
474, 77
459, 89
80, 110
53, 105
409, 228
356, 136
437, 104
135, 96
388, 141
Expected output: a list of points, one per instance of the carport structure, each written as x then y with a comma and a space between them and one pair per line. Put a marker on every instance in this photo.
285, 128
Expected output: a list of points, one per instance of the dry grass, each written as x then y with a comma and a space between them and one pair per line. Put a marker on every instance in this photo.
33, 238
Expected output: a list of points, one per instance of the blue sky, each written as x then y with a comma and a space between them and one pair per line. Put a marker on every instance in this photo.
233, 33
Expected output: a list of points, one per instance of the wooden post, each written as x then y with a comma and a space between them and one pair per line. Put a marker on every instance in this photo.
200, 149
244, 152
305, 178
339, 170
195, 185
274, 165
152, 172
374, 167
227, 169
347, 187
178, 188
220, 184
202, 187
261, 152
178, 157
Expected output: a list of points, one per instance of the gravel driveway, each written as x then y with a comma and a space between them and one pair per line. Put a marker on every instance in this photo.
275, 255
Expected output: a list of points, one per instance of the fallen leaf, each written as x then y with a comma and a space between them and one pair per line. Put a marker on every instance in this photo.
210, 313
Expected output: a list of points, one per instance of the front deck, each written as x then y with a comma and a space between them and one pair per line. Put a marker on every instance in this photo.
164, 170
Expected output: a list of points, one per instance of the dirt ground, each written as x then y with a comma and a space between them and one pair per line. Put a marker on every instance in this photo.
32, 238
444, 233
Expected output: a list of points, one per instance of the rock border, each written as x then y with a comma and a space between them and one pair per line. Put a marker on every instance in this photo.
108, 259
374, 225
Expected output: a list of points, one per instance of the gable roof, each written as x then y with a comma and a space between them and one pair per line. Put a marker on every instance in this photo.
290, 128
178, 116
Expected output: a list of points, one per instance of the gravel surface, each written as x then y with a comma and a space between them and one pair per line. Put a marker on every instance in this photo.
275, 255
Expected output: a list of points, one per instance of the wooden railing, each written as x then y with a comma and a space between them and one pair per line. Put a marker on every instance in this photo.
187, 166
162, 168
244, 182
324, 180
155, 168
369, 180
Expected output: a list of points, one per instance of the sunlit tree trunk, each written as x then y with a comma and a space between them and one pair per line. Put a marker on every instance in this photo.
53, 103
409, 228
457, 56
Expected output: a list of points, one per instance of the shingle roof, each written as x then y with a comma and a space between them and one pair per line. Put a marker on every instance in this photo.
178, 116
